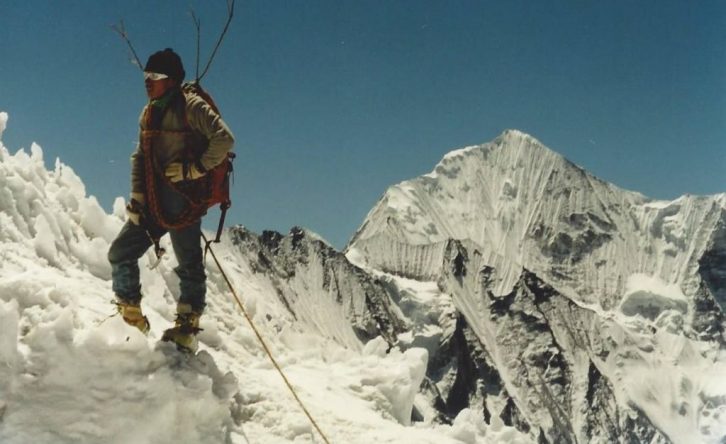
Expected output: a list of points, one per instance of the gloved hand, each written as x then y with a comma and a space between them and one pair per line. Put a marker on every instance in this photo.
135, 208
175, 172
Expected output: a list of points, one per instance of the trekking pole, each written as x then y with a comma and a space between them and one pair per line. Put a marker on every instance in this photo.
262, 342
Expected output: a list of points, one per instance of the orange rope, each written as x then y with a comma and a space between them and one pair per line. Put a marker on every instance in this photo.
264, 345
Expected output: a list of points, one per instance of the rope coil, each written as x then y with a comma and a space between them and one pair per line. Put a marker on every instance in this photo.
264, 345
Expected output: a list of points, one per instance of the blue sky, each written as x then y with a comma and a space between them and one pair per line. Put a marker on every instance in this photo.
333, 101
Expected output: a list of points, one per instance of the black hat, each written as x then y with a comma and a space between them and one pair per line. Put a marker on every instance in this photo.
166, 62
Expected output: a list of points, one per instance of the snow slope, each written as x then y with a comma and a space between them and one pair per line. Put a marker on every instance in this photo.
70, 372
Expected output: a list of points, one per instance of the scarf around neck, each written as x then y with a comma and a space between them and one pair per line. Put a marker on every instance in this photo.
158, 106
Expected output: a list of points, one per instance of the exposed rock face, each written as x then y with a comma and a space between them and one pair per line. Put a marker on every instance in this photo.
712, 291
544, 263
538, 358
319, 286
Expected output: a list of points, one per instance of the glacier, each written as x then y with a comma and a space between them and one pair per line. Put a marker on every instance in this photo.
506, 297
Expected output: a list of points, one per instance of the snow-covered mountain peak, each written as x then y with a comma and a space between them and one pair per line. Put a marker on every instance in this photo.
516, 198
495, 181
511, 230
515, 137
522, 148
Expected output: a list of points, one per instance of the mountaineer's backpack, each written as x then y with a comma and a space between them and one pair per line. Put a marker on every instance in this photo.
200, 194
218, 177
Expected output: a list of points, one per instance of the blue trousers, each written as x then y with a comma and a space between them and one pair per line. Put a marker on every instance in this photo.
133, 241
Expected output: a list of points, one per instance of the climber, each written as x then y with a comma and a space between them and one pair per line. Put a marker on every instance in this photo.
181, 138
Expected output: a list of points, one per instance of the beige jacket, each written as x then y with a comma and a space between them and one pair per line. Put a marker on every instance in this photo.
210, 138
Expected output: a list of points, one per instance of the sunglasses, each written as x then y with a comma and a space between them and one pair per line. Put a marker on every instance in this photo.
154, 76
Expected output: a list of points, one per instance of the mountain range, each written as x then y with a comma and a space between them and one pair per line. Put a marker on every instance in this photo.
507, 296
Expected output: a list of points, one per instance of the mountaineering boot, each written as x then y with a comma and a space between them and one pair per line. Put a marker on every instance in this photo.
132, 315
186, 327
